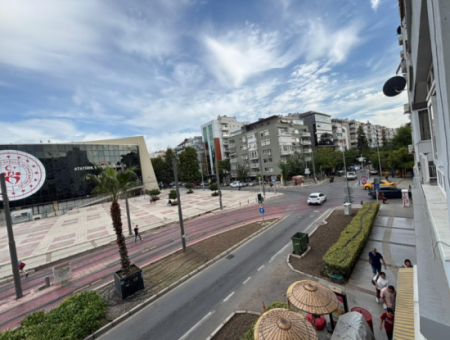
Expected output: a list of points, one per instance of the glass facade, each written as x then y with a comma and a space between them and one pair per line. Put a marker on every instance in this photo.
67, 164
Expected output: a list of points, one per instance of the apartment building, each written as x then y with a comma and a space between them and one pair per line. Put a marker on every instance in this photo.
156, 154
319, 126
215, 136
262, 145
341, 134
196, 143
374, 133
424, 36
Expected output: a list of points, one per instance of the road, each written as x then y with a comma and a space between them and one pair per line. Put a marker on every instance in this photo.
256, 273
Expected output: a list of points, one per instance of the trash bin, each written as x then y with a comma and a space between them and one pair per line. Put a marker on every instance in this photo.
366, 314
347, 209
300, 242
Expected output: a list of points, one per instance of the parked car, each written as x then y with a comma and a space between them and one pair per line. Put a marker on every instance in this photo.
351, 175
206, 184
373, 172
383, 183
389, 192
317, 198
357, 167
235, 184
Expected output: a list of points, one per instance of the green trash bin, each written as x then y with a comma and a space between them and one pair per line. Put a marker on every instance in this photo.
300, 242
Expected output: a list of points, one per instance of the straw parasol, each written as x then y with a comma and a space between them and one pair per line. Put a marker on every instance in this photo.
312, 297
283, 324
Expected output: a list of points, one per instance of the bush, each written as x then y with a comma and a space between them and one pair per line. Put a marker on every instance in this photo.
189, 186
154, 192
342, 256
75, 318
213, 187
173, 194
249, 335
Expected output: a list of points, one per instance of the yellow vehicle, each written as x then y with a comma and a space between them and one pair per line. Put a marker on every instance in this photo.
388, 173
383, 183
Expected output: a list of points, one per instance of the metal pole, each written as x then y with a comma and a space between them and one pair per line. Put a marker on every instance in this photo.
218, 183
313, 165
180, 214
346, 177
203, 182
379, 161
128, 213
12, 243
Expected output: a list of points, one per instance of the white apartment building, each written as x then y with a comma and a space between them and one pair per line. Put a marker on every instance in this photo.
196, 143
156, 154
341, 134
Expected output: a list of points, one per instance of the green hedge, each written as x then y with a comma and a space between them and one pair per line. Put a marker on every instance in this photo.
342, 256
75, 318
249, 335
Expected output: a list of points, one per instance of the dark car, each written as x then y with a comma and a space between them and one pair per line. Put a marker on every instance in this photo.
389, 192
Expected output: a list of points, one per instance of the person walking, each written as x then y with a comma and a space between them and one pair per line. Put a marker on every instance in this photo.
151, 200
388, 319
387, 178
375, 260
136, 233
388, 295
380, 284
383, 198
22, 268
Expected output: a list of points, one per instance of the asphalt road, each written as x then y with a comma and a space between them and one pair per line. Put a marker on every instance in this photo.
256, 272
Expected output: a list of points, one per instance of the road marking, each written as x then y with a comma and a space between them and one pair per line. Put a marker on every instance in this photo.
228, 297
261, 267
246, 280
80, 289
93, 283
196, 325
279, 252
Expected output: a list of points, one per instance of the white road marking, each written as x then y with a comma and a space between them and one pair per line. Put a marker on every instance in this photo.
282, 249
261, 267
196, 325
228, 297
246, 280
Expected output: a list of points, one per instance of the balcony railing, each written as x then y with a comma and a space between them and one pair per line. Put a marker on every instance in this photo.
233, 160
305, 142
224, 128
308, 159
253, 157
307, 150
254, 166
225, 135
253, 174
232, 145
306, 134
286, 152
286, 134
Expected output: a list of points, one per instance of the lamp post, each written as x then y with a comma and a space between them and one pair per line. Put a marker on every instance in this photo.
379, 161
218, 183
346, 177
180, 214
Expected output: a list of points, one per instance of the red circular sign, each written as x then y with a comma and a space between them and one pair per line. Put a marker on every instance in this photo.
24, 174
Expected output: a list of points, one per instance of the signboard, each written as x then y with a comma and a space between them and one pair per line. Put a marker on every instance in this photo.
24, 174
261, 205
62, 273
363, 180
376, 186
405, 197
307, 172
261, 210
342, 305
274, 178
393, 173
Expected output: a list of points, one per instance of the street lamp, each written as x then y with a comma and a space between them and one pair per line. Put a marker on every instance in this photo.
379, 161
346, 177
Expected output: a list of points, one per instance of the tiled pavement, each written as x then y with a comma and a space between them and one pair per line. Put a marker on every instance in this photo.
47, 240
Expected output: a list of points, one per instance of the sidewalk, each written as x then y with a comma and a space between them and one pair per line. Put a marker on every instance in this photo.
45, 241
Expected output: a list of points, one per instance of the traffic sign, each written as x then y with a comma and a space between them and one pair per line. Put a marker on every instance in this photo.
363, 179
376, 186
261, 210
307, 172
261, 205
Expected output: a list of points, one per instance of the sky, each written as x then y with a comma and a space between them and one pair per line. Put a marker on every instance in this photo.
86, 70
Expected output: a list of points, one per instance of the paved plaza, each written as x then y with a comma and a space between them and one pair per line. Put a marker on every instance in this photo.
44, 241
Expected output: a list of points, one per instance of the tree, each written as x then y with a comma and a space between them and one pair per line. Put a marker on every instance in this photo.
224, 167
189, 166
173, 194
327, 159
296, 165
242, 171
214, 187
111, 182
189, 186
170, 154
384, 158
154, 192
363, 144
284, 168
403, 137
401, 159
160, 168
384, 141
351, 156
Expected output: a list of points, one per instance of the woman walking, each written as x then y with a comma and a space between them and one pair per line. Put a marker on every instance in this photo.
380, 283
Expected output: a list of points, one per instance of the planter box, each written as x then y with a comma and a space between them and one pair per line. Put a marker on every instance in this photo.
215, 194
130, 284
174, 203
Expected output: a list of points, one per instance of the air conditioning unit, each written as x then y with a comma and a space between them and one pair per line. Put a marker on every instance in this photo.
404, 67
406, 109
400, 40
402, 54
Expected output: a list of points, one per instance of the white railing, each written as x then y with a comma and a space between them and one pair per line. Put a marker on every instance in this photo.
254, 165
305, 142
307, 150
306, 134
233, 160
286, 152
286, 134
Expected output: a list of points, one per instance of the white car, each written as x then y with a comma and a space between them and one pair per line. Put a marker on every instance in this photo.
317, 198
351, 175
235, 184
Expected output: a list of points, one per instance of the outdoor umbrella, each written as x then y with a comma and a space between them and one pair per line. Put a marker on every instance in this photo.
283, 324
352, 326
312, 297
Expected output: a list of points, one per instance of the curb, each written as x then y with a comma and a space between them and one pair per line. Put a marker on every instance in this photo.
217, 330
87, 251
150, 300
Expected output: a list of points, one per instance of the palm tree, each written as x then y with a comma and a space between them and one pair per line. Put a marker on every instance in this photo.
111, 182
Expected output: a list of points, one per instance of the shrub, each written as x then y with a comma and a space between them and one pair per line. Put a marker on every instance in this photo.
154, 192
75, 318
249, 335
342, 256
173, 194
189, 186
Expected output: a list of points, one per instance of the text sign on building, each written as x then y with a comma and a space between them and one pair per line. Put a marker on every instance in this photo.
24, 174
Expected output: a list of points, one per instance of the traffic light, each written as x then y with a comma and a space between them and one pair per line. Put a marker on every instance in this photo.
260, 198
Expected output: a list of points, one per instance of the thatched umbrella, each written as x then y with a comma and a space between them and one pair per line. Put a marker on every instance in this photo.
312, 297
283, 324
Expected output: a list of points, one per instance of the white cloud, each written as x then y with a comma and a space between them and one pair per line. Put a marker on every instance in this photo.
375, 4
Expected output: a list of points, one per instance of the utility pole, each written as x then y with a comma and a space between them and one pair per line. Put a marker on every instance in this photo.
12, 243
203, 182
180, 214
346, 177
218, 183
379, 161
313, 165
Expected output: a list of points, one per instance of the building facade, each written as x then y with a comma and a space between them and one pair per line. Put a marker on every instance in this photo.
341, 134
215, 137
319, 126
260, 146
196, 143
157, 154
425, 60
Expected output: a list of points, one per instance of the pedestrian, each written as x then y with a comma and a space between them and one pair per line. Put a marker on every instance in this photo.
375, 260
410, 196
169, 203
383, 198
380, 283
136, 233
22, 268
387, 178
407, 264
388, 295
151, 200
388, 319
154, 200
239, 185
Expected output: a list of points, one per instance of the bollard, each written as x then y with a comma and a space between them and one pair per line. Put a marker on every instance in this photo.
47, 281
362, 203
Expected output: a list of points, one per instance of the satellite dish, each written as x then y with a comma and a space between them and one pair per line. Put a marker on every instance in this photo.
394, 86
399, 30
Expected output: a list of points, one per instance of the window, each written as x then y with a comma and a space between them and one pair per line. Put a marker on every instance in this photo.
268, 160
433, 130
265, 142
267, 152
296, 131
268, 169
264, 133
424, 124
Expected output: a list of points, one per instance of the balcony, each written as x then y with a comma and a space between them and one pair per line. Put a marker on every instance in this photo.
231, 145
307, 151
284, 134
226, 135
225, 142
305, 142
233, 160
253, 174
286, 152
308, 159
254, 166
253, 157
306, 134
224, 128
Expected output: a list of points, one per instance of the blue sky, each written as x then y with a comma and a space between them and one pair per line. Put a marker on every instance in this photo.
85, 69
